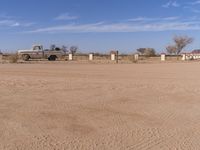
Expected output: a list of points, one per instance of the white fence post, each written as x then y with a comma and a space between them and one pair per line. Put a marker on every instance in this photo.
91, 57
136, 57
70, 57
183, 57
113, 57
163, 57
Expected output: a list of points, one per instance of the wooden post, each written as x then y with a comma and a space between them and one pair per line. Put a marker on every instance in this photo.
117, 58
1, 57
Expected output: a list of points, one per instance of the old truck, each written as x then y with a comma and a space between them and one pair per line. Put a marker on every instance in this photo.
37, 52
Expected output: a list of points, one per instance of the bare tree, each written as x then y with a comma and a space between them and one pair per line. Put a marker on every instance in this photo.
180, 43
64, 48
73, 49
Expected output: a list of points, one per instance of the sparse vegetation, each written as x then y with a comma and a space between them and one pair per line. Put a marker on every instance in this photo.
13, 58
73, 49
147, 51
52, 47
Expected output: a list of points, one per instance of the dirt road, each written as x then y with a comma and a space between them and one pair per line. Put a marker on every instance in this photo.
111, 107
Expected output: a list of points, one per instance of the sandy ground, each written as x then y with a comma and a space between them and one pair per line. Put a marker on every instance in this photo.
100, 107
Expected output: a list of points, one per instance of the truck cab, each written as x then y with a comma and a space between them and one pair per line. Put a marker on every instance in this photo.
36, 52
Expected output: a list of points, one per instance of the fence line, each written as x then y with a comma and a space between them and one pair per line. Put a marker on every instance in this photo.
121, 58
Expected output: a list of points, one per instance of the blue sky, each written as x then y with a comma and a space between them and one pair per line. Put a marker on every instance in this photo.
98, 25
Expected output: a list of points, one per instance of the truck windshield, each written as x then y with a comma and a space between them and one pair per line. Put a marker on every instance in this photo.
37, 48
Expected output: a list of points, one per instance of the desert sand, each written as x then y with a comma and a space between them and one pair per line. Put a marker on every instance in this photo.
100, 106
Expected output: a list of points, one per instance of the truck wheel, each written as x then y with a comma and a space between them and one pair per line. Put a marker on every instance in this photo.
52, 58
25, 57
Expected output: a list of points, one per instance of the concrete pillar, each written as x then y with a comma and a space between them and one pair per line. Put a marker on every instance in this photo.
70, 57
183, 57
113, 56
163, 57
91, 56
136, 57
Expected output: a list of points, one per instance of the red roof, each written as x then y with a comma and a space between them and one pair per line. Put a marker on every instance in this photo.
196, 51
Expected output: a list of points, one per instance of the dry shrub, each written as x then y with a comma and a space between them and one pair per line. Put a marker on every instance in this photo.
13, 58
